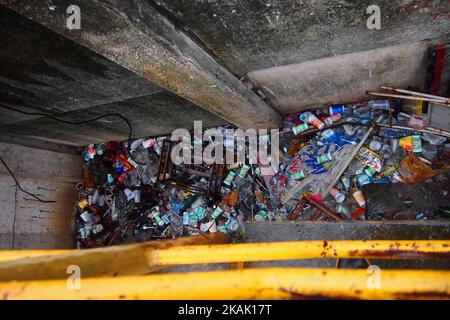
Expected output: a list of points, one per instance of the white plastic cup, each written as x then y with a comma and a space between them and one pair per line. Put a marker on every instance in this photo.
359, 197
129, 194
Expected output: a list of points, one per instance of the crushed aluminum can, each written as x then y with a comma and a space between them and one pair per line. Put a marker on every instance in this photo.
216, 213
363, 179
193, 218
244, 170
337, 195
97, 228
186, 218
229, 179
232, 224
298, 175
327, 134
300, 128
312, 119
200, 212
341, 209
346, 182
324, 158
332, 119
166, 219
369, 171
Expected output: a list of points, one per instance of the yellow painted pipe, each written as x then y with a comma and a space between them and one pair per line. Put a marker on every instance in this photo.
131, 259
8, 255
248, 252
272, 283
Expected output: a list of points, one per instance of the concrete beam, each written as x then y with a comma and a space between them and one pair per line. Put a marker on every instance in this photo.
136, 36
38, 143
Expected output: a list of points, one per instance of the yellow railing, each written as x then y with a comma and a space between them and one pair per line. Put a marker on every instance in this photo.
118, 272
273, 283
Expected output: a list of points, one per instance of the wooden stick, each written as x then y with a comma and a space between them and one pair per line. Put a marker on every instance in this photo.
397, 96
415, 93
438, 132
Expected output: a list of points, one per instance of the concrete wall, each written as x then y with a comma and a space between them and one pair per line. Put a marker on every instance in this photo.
343, 78
41, 71
26, 223
259, 34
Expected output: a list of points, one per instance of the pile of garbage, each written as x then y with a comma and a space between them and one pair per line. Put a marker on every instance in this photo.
358, 145
328, 157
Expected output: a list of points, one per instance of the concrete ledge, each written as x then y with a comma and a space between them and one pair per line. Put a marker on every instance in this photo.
343, 78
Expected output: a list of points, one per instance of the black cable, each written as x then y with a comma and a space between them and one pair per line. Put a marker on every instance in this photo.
19, 186
130, 127
130, 133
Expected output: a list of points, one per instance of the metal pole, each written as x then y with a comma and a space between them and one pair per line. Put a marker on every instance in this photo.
275, 251
121, 260
270, 283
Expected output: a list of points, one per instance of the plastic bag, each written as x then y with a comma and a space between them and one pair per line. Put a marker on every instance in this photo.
413, 170
433, 139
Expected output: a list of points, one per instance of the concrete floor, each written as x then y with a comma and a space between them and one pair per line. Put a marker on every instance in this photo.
26, 223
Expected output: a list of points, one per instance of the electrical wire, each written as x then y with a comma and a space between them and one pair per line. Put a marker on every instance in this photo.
20, 187
130, 133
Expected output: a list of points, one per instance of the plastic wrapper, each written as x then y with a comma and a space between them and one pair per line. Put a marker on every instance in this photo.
231, 199
413, 170
370, 158
433, 139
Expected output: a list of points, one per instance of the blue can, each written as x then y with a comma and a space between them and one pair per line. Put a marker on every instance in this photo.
337, 108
